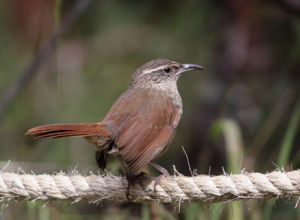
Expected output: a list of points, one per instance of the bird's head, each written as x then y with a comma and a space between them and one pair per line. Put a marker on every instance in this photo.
160, 72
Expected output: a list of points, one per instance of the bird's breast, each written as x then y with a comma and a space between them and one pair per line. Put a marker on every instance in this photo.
167, 90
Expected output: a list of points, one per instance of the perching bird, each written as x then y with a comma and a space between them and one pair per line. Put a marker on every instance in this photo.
140, 124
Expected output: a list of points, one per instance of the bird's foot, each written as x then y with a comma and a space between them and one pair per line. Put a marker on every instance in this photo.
158, 178
164, 173
131, 179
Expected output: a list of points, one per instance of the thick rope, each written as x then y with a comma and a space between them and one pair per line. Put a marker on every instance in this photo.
172, 189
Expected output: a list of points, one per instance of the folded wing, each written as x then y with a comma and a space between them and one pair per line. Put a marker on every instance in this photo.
145, 127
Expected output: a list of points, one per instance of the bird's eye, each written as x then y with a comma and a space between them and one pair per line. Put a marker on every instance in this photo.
167, 69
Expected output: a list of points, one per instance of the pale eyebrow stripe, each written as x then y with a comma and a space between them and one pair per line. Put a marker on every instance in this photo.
146, 71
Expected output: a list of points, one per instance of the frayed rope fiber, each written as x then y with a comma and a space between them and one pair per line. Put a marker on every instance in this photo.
172, 189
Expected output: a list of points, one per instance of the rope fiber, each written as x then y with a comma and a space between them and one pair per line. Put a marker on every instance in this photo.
172, 189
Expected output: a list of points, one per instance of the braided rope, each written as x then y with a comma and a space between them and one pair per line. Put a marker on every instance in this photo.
179, 188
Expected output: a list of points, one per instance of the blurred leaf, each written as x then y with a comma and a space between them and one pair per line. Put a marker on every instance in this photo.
233, 142
269, 126
216, 211
146, 212
215, 130
57, 12
289, 136
234, 149
194, 212
285, 152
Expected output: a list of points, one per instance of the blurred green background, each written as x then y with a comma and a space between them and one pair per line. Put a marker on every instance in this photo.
241, 113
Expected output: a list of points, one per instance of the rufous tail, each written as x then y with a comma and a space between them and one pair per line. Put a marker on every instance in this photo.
67, 130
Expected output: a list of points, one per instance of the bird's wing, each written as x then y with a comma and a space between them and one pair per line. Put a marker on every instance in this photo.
146, 125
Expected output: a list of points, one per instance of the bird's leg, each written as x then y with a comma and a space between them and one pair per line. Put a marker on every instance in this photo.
131, 177
163, 171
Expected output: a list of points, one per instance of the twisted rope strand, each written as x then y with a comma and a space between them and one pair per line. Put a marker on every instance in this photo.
96, 188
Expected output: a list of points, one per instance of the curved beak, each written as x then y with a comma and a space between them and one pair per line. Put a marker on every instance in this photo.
188, 67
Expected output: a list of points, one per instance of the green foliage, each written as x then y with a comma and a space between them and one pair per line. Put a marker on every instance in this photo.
289, 137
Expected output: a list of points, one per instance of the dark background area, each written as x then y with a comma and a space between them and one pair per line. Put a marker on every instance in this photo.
242, 112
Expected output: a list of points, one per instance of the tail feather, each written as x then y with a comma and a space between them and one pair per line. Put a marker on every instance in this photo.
67, 130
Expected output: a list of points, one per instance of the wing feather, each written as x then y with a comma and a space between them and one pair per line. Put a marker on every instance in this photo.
150, 124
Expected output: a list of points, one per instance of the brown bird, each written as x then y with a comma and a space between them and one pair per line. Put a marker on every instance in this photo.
140, 124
